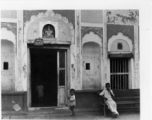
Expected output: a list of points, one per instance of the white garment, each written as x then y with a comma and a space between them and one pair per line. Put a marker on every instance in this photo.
110, 102
72, 100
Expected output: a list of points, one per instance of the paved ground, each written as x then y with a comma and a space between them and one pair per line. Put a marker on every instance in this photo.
78, 116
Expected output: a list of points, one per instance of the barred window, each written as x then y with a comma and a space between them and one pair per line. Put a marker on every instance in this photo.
119, 73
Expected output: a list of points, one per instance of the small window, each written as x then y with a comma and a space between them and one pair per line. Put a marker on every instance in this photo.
119, 46
87, 66
5, 66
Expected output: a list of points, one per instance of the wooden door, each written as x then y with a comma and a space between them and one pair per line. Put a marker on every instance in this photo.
61, 67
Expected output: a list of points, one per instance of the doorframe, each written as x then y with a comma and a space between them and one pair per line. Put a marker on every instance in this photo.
67, 48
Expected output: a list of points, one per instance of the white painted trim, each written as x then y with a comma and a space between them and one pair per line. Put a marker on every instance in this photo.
91, 24
122, 37
91, 37
12, 20
8, 35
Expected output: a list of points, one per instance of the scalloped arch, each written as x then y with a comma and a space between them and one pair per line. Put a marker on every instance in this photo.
120, 36
91, 37
8, 35
65, 28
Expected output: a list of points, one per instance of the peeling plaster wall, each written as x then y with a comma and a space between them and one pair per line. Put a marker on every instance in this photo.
136, 81
73, 66
8, 74
91, 76
15, 26
78, 80
80, 31
69, 14
127, 22
112, 22
19, 84
64, 30
105, 24
8, 53
126, 17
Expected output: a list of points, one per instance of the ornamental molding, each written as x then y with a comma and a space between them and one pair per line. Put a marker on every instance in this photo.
128, 17
122, 37
8, 35
96, 30
91, 37
64, 27
10, 26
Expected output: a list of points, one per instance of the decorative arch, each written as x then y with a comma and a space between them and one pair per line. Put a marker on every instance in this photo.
91, 37
91, 61
7, 47
63, 28
8, 35
120, 36
92, 48
8, 42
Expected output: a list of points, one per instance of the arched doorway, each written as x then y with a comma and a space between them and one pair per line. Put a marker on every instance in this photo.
48, 59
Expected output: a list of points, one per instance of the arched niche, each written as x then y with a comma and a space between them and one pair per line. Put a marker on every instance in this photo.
120, 40
64, 31
48, 31
7, 65
120, 45
8, 35
91, 37
7, 47
91, 59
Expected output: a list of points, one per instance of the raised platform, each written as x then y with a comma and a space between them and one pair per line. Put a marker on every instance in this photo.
9, 99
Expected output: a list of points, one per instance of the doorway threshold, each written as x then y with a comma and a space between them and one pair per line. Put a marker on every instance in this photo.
48, 108
62, 108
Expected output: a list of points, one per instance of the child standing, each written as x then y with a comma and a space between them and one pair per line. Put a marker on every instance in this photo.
72, 101
108, 94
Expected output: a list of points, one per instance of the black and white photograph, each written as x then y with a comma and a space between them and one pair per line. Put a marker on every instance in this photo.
67, 64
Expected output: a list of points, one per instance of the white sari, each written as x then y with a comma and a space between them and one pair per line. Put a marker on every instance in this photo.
110, 102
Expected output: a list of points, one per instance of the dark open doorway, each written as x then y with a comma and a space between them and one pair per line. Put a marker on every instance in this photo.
44, 72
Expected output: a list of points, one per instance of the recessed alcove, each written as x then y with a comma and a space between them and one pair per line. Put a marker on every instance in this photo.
48, 31
91, 65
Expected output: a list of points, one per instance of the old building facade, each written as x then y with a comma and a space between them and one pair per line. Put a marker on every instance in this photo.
84, 50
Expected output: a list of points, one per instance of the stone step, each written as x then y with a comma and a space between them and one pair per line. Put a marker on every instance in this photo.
127, 98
